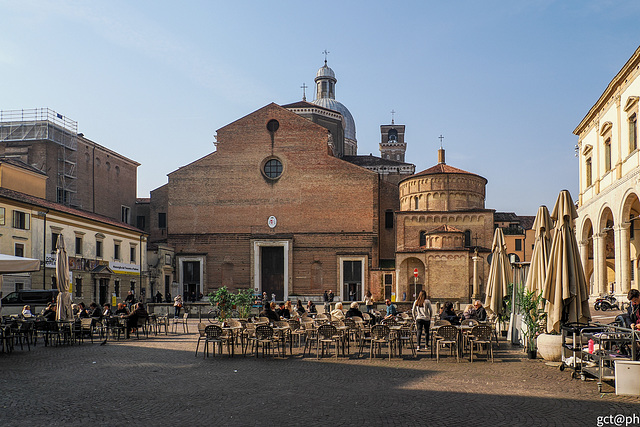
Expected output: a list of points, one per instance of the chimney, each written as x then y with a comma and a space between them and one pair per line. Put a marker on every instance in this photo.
441, 156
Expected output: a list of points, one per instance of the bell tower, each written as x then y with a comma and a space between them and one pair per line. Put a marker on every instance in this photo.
392, 145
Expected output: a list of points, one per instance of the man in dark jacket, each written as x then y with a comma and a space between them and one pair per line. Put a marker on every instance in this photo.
481, 313
634, 308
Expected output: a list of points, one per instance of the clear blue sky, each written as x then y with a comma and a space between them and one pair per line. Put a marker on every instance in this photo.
505, 82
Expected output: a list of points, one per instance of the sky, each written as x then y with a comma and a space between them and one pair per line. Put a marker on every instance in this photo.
505, 82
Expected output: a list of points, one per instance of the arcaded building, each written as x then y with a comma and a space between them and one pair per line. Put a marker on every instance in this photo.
609, 204
442, 230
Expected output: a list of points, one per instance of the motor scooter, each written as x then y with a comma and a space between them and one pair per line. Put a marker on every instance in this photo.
607, 302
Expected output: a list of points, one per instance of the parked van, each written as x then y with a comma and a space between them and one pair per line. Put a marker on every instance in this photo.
36, 298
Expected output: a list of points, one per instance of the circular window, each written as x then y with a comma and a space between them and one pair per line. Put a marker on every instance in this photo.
273, 168
273, 125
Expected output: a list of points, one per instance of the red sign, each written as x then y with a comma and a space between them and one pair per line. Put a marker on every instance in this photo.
415, 272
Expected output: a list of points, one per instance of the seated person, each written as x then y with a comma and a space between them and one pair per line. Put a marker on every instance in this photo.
289, 308
311, 307
106, 312
353, 311
82, 311
94, 310
300, 308
26, 312
336, 313
391, 309
282, 311
122, 309
49, 313
481, 313
449, 314
135, 315
469, 312
269, 314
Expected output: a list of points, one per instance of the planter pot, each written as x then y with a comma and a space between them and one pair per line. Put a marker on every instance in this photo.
532, 354
503, 334
550, 347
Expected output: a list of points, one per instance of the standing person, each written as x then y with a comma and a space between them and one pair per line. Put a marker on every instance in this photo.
177, 305
422, 312
265, 298
330, 298
273, 297
368, 302
158, 297
634, 308
167, 297
327, 306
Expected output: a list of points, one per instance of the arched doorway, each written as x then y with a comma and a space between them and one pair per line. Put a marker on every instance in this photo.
606, 253
629, 243
587, 255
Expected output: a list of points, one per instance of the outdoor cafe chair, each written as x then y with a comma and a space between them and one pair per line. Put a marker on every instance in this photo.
380, 334
201, 335
481, 335
327, 334
264, 336
404, 336
7, 339
296, 330
86, 328
447, 336
181, 321
214, 335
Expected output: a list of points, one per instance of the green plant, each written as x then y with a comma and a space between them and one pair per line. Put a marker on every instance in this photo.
244, 301
532, 316
507, 304
224, 300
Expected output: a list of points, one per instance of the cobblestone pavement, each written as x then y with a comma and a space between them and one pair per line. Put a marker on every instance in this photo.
158, 381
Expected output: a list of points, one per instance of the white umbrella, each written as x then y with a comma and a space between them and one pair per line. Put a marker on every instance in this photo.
565, 288
540, 256
499, 274
64, 311
16, 264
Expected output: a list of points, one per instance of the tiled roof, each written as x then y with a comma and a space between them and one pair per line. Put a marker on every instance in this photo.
42, 203
442, 168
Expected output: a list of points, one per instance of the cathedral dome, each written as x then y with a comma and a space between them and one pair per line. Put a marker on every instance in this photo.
325, 97
332, 104
325, 71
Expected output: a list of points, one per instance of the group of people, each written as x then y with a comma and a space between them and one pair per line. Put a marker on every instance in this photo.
286, 310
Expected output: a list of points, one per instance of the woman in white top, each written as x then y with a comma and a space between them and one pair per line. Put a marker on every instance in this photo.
337, 313
422, 312
368, 302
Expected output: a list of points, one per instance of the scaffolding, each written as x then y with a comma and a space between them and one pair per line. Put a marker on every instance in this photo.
18, 127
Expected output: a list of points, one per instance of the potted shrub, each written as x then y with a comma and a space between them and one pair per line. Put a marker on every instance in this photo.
244, 302
224, 301
529, 303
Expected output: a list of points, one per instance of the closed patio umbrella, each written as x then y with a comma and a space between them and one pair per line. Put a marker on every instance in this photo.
540, 256
565, 288
63, 304
499, 274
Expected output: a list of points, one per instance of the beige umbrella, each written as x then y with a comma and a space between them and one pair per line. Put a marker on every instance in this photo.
565, 288
63, 304
540, 256
499, 274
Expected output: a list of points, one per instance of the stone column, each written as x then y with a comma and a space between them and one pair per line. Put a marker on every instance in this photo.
600, 263
476, 290
623, 262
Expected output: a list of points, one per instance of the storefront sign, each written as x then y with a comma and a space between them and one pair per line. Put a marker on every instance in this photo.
123, 268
